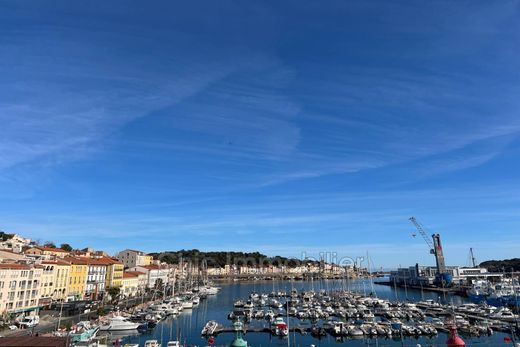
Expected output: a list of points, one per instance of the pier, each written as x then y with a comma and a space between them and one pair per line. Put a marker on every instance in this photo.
224, 329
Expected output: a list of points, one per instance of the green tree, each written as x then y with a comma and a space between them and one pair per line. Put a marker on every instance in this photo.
113, 292
49, 244
5, 237
66, 247
158, 283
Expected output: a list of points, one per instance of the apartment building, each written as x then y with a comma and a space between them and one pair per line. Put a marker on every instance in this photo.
96, 278
19, 287
156, 274
114, 274
142, 279
130, 284
46, 252
132, 258
77, 278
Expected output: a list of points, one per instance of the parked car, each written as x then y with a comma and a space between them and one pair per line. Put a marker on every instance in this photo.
29, 322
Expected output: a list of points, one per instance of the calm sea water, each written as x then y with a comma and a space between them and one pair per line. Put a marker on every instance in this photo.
188, 325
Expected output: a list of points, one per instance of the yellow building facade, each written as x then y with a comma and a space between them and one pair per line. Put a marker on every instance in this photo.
114, 274
61, 280
77, 278
54, 281
129, 285
148, 259
46, 284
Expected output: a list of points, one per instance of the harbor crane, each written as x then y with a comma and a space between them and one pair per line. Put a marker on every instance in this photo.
436, 249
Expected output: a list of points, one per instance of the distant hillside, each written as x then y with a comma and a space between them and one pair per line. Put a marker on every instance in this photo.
220, 259
502, 265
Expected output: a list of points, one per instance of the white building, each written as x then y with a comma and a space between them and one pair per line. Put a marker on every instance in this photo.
154, 273
14, 243
96, 276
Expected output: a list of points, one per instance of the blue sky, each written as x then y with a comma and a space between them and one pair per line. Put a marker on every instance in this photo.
284, 127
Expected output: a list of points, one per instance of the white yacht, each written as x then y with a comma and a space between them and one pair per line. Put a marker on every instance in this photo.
504, 314
118, 323
195, 300
186, 305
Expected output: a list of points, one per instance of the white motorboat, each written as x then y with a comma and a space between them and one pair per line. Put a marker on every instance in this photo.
209, 328
152, 343
195, 300
186, 305
118, 323
504, 314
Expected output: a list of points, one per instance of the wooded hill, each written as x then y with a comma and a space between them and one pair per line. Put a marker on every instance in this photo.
502, 265
221, 258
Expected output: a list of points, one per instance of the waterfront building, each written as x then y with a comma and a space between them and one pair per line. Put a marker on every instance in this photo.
425, 275
54, 281
130, 284
132, 258
114, 274
155, 274
226, 270
96, 278
77, 278
19, 287
142, 279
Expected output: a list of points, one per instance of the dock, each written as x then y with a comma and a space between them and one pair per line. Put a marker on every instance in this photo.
225, 329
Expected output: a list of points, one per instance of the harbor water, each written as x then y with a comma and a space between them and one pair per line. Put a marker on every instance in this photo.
188, 325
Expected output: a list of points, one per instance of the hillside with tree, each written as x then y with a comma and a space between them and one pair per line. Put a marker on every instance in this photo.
502, 265
221, 258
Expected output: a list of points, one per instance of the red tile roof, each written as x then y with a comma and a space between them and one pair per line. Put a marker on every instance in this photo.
77, 260
56, 262
51, 249
93, 261
152, 267
137, 273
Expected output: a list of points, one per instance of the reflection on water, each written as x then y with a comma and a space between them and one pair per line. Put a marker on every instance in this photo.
188, 325
118, 335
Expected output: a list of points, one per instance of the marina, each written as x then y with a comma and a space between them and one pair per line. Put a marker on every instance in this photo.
358, 319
